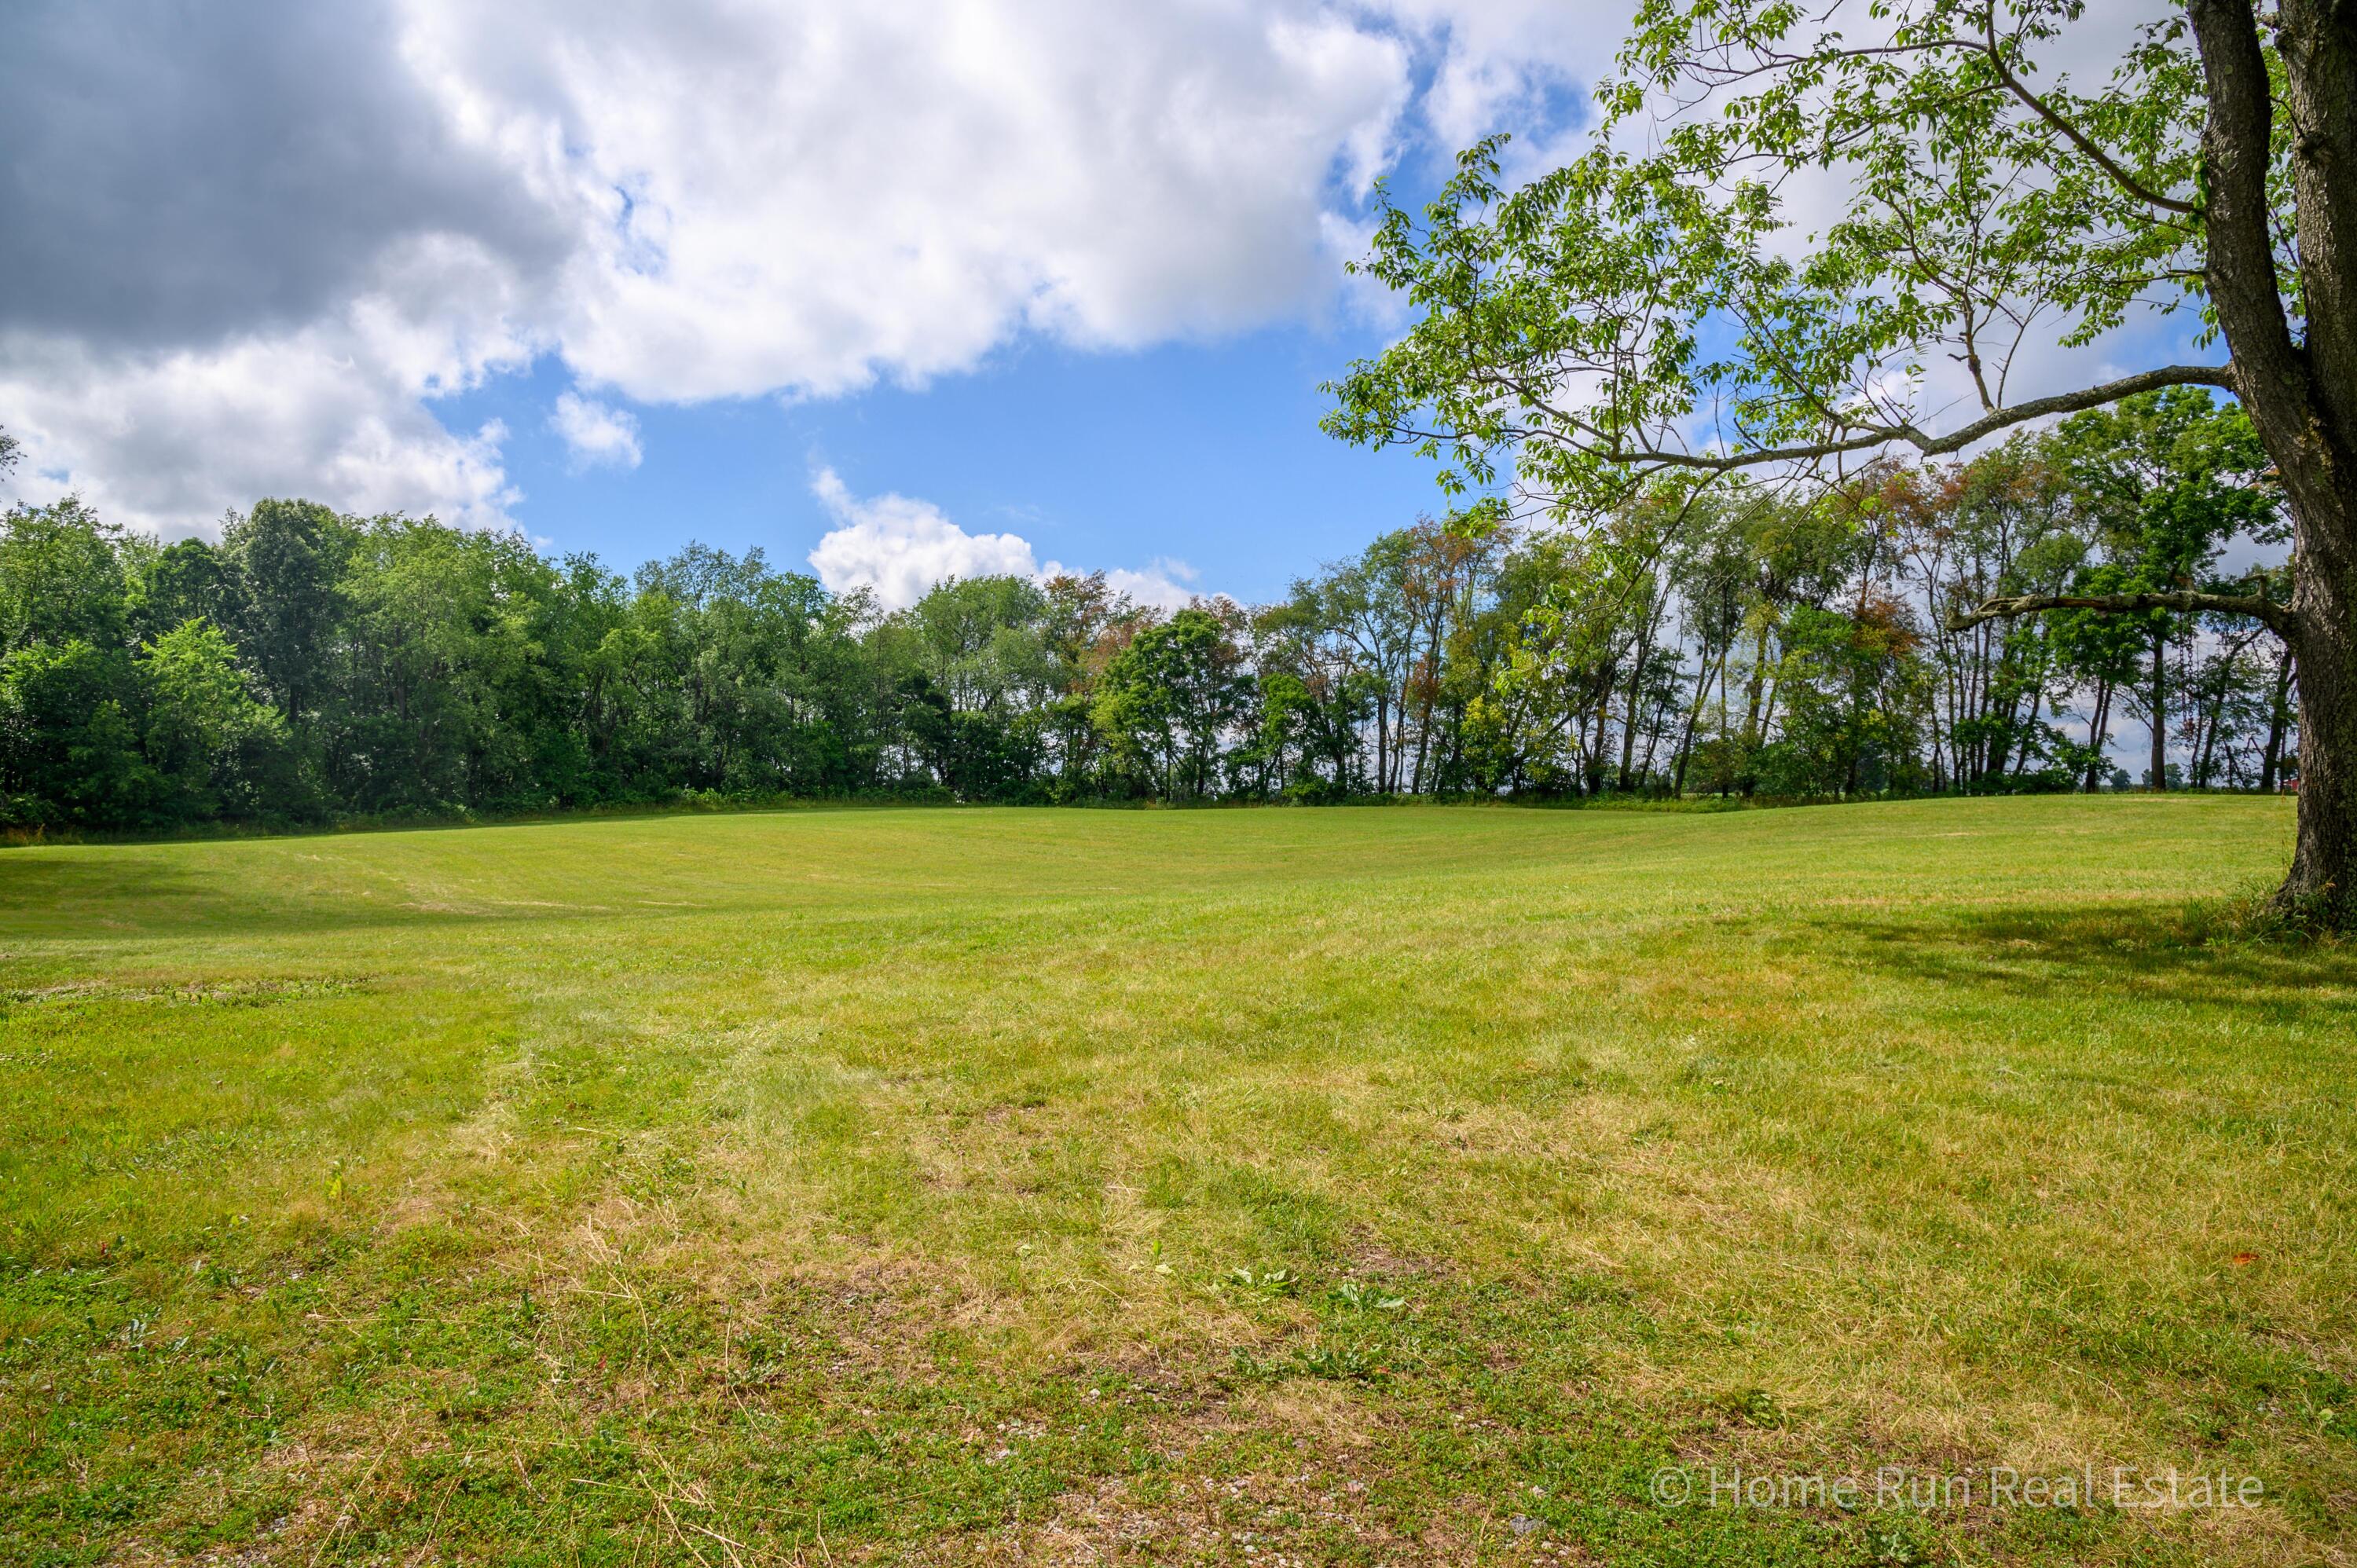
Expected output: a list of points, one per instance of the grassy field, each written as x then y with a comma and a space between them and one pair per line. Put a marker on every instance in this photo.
1385, 1186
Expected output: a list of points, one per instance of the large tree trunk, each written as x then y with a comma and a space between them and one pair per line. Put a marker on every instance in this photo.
1594, 763
2301, 393
1702, 677
2323, 878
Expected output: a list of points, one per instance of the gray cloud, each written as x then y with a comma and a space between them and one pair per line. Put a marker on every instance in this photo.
178, 171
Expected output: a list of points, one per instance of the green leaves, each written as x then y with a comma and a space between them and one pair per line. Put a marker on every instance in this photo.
1824, 211
1167, 699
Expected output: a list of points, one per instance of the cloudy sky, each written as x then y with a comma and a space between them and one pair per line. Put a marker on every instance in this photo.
893, 287
896, 286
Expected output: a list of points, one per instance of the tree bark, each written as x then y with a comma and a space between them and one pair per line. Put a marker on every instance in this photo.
2301, 395
1758, 679
2022, 745
1637, 686
1703, 679
2099, 731
2278, 720
2207, 708
1590, 728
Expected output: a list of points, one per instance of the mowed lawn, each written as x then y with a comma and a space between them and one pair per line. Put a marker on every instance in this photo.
1389, 1186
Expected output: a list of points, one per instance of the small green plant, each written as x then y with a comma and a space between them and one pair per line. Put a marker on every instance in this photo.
1754, 1407
1353, 1362
1357, 1297
1268, 1281
1895, 1545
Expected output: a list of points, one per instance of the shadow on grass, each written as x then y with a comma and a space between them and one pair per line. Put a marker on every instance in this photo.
101, 897
2193, 955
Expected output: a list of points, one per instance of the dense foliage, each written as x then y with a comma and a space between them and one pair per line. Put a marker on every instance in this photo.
311, 666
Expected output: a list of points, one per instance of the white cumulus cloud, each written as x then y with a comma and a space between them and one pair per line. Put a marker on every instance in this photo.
596, 435
808, 197
1165, 584
166, 442
898, 547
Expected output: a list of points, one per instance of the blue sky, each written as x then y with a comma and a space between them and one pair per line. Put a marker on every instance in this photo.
1205, 453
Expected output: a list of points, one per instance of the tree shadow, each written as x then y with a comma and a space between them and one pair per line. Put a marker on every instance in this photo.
102, 898
2189, 955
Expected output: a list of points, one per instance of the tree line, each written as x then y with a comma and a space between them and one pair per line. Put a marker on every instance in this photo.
312, 666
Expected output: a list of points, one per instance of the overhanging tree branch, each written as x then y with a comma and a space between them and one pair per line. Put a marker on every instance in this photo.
2276, 618
1871, 437
2075, 136
1770, 61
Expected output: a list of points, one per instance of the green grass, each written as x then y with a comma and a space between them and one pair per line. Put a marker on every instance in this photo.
1351, 1185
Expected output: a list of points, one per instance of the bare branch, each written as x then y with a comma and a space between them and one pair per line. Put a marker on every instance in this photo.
2276, 618
1871, 437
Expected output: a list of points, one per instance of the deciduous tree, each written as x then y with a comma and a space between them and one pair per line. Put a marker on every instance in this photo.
1648, 317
